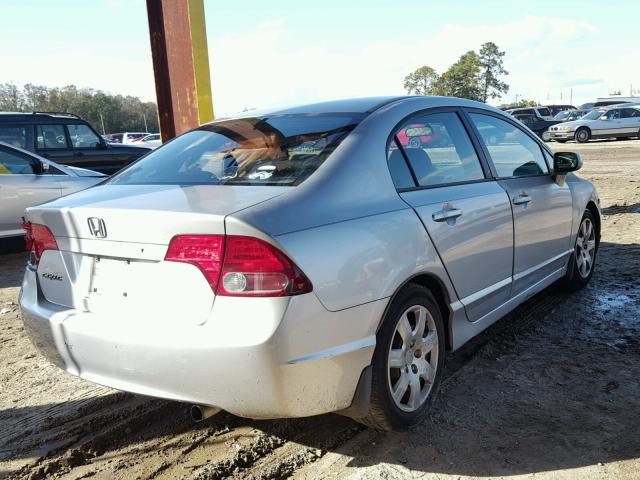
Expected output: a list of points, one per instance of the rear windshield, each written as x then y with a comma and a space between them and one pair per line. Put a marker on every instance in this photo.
272, 150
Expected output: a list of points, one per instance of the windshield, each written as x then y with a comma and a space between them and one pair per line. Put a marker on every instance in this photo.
593, 115
273, 150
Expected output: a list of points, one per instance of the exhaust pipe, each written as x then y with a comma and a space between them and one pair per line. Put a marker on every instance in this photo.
200, 413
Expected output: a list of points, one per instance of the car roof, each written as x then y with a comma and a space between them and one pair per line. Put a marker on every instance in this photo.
364, 105
52, 117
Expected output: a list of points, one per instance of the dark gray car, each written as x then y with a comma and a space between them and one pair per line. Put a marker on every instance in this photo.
66, 139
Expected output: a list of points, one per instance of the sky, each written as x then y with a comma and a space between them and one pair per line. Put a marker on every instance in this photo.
283, 52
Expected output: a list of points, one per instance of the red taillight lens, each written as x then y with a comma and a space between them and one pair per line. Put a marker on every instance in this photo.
240, 266
203, 251
38, 238
255, 268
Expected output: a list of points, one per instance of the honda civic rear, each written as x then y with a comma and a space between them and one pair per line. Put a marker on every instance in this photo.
147, 283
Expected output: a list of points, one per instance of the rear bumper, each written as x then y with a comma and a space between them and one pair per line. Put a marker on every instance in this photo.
254, 357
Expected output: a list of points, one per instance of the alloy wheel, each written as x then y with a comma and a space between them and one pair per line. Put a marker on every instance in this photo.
585, 247
413, 358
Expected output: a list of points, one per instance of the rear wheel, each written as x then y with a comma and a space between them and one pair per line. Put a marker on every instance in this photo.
583, 258
582, 135
407, 362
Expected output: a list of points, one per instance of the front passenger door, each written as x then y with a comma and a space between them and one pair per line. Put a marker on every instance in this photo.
542, 209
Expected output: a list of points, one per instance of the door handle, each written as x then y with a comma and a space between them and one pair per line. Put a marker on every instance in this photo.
448, 214
521, 199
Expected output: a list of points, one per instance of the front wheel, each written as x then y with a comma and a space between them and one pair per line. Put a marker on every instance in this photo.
583, 258
582, 135
407, 362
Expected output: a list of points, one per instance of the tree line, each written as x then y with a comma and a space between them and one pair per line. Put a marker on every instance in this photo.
107, 113
476, 76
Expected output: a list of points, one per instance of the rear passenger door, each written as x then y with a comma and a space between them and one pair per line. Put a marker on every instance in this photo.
630, 118
542, 209
52, 142
467, 215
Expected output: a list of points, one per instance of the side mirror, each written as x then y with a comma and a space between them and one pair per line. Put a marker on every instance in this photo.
44, 167
565, 162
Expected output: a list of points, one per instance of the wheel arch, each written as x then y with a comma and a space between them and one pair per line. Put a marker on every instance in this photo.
591, 206
439, 291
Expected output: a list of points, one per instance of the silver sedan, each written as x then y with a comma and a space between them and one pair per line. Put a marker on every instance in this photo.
27, 179
307, 260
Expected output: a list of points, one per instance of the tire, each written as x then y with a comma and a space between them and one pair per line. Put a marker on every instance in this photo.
417, 363
582, 135
583, 259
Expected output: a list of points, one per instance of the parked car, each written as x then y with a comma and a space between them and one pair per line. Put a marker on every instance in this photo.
555, 109
569, 115
27, 179
126, 138
303, 261
151, 141
612, 122
536, 124
66, 139
543, 113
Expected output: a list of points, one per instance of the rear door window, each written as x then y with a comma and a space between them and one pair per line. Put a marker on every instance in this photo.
82, 136
16, 136
271, 150
437, 149
513, 152
51, 137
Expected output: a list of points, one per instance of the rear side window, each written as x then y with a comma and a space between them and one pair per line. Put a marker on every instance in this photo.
272, 150
16, 136
544, 112
14, 163
513, 152
82, 136
50, 137
630, 113
437, 149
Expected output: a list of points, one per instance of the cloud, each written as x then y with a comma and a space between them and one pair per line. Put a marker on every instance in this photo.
268, 66
582, 81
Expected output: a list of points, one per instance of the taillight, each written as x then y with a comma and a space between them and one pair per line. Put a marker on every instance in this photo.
203, 251
240, 266
38, 238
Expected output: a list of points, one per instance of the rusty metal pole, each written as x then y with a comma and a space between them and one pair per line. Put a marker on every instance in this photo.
180, 64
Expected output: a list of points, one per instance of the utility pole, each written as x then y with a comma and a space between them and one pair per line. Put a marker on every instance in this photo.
571, 97
144, 116
180, 65
104, 132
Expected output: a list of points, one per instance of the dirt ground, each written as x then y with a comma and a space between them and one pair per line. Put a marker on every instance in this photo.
552, 391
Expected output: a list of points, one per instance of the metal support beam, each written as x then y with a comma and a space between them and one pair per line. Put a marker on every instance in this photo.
180, 64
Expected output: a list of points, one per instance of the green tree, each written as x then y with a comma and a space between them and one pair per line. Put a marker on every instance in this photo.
119, 113
421, 82
462, 79
491, 69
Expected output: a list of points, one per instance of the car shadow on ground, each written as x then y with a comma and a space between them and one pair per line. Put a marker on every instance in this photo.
619, 209
12, 266
551, 386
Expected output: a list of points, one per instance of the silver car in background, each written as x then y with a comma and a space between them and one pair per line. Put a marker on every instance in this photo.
306, 260
27, 179
620, 122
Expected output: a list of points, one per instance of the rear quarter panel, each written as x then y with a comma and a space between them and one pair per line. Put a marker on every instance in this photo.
365, 259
